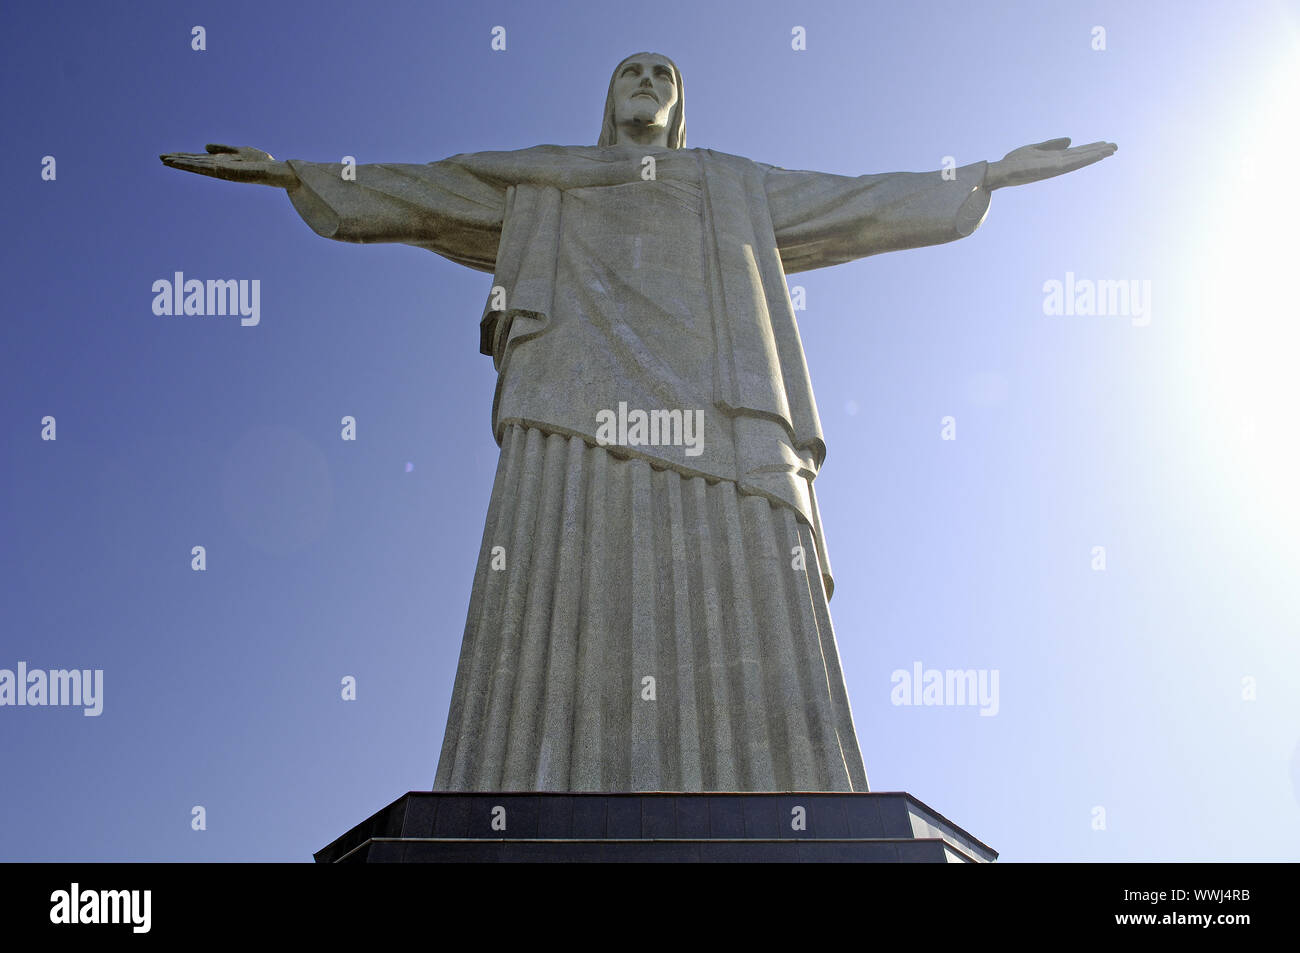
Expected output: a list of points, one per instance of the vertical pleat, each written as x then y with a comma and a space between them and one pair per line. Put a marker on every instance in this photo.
839, 695
688, 765
813, 683
585, 772
787, 722
459, 766
553, 762
646, 767
712, 651
749, 706
520, 556
520, 763
616, 572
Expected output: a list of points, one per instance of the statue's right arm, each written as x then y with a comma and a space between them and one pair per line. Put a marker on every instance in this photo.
440, 206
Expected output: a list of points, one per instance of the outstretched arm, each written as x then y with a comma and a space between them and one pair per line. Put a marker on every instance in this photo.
445, 207
821, 219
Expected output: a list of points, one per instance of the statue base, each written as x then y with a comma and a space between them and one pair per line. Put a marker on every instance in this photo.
822, 827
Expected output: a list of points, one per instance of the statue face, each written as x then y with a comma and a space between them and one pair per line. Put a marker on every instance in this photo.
645, 92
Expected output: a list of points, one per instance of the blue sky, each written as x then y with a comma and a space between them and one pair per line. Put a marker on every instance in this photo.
1169, 443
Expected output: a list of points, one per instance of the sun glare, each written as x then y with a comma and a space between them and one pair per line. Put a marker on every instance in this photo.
1246, 345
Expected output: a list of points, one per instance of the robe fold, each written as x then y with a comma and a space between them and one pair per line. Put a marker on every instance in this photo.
666, 295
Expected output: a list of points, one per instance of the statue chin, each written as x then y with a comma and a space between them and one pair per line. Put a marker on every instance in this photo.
641, 112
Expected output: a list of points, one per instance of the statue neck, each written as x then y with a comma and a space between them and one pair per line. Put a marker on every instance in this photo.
639, 134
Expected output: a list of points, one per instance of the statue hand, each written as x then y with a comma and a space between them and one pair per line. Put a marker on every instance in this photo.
234, 163
1042, 160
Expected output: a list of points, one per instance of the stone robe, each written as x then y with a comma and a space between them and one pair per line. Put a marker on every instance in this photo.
662, 620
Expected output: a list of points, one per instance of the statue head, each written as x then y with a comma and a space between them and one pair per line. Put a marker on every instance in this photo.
646, 92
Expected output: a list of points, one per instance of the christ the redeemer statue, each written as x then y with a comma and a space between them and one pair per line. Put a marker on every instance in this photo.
650, 608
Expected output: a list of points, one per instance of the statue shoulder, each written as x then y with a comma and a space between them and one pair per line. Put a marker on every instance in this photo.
739, 163
530, 152
544, 163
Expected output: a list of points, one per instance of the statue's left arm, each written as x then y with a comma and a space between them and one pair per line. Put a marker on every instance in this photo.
822, 219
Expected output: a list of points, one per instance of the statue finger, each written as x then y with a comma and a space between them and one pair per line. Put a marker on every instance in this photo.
1100, 146
1053, 144
183, 160
1096, 151
203, 165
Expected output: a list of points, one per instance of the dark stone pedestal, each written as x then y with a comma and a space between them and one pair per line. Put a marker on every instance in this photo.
442, 827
